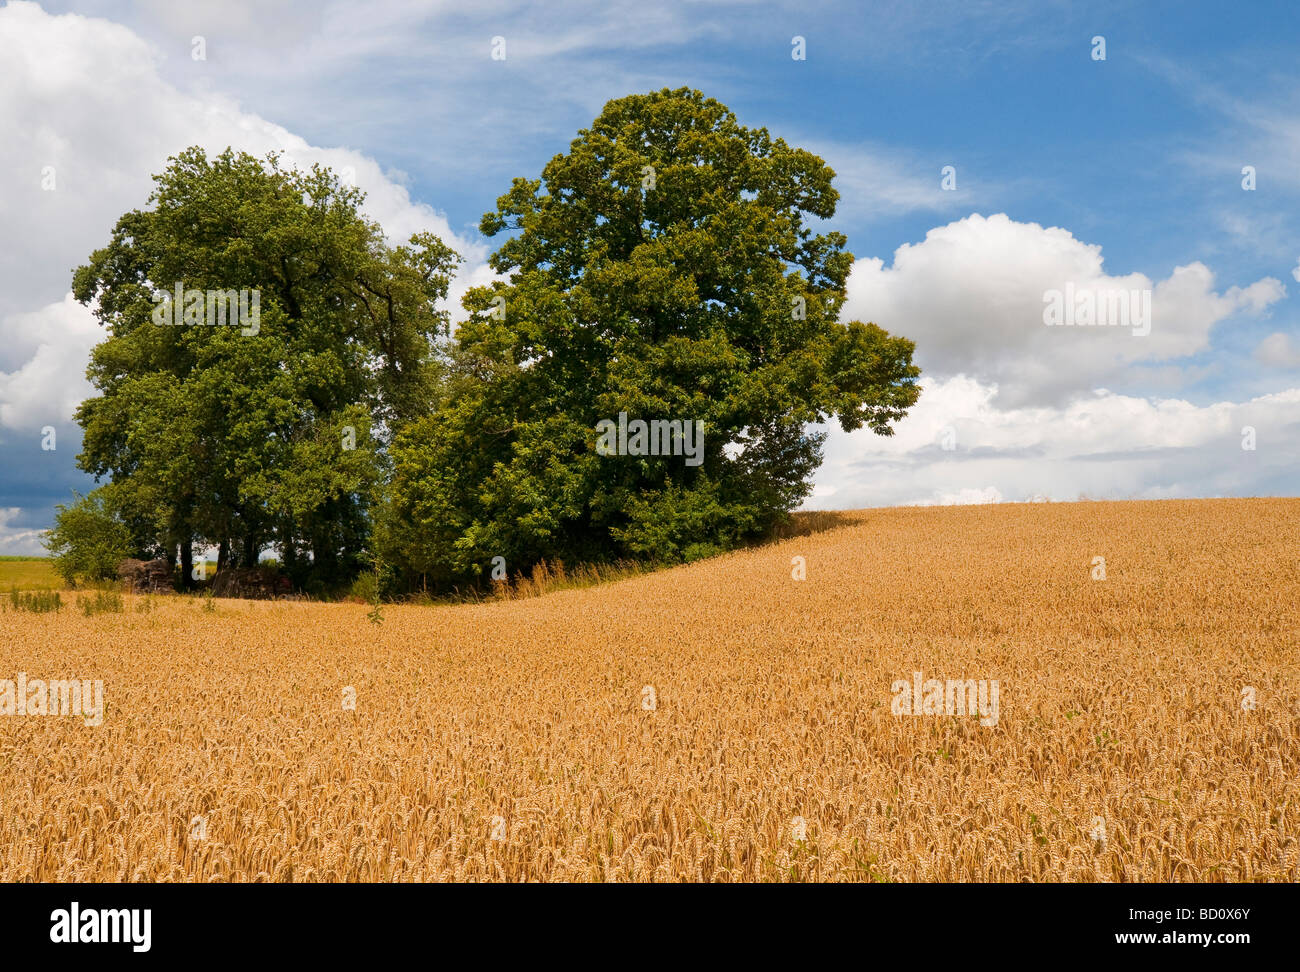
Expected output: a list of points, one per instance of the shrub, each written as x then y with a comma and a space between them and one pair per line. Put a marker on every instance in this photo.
87, 541
104, 602
38, 602
367, 587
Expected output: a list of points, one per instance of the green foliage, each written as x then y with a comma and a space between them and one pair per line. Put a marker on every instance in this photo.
88, 540
372, 584
104, 602
665, 267
366, 587
668, 266
38, 602
267, 434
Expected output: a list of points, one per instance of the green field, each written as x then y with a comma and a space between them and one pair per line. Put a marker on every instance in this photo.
28, 574
37, 574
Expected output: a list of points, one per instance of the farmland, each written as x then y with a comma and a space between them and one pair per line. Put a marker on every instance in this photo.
28, 574
721, 721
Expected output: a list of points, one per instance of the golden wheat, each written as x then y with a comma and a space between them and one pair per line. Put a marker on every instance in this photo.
517, 740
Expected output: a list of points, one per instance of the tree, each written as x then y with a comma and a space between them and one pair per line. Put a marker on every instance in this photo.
663, 268
88, 540
265, 429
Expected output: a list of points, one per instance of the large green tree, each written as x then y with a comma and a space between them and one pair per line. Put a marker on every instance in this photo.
667, 267
269, 432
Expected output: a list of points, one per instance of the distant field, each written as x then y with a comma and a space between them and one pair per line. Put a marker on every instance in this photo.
28, 574
722, 721
37, 574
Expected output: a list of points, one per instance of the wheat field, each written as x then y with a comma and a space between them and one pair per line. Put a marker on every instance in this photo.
721, 721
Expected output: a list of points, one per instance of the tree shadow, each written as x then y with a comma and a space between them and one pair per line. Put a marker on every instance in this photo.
804, 524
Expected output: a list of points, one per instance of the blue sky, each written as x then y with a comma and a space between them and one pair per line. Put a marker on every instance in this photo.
1125, 171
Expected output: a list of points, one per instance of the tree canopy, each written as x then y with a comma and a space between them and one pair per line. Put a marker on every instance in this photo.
269, 432
669, 277
667, 267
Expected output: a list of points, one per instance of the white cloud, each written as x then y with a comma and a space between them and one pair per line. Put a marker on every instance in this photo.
967, 496
1106, 445
18, 541
1277, 351
971, 295
874, 181
47, 386
84, 97
105, 105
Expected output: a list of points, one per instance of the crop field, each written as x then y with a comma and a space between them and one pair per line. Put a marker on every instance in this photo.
1138, 717
28, 574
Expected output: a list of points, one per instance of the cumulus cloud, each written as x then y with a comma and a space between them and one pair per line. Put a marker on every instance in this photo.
48, 382
82, 102
1012, 409
972, 295
18, 540
1278, 351
958, 445
88, 119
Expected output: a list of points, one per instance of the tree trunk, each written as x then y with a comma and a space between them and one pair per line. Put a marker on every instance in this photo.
187, 564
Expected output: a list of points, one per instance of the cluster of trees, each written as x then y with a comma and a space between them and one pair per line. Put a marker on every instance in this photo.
664, 267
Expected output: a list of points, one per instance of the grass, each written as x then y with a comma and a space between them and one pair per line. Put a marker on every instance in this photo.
37, 574
545, 578
549, 577
29, 574
103, 602
37, 602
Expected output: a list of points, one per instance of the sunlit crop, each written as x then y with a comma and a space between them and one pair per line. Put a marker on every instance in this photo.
1149, 726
